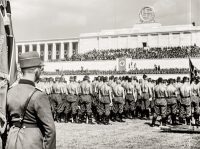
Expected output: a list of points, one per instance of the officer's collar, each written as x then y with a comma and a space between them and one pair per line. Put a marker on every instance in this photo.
24, 81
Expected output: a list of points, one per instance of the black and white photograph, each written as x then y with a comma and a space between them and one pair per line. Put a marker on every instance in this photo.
100, 74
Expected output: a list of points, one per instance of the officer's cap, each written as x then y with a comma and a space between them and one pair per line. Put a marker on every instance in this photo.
71, 78
30, 59
160, 80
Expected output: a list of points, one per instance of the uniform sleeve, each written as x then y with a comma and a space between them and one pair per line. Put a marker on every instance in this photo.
43, 110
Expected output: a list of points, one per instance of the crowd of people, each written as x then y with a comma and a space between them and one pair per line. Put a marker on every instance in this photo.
116, 99
139, 53
113, 72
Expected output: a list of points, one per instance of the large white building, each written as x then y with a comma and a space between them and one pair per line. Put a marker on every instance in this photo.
147, 33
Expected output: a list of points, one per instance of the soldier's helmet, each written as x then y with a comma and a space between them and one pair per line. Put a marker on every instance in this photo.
30, 59
160, 80
86, 78
71, 78
105, 79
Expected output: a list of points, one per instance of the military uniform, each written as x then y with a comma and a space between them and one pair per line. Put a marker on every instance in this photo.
104, 102
129, 100
72, 99
160, 107
195, 101
172, 102
185, 102
118, 101
145, 96
32, 128
85, 99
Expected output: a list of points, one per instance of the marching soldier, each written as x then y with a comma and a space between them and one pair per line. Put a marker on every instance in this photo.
172, 101
195, 99
185, 102
57, 99
105, 101
29, 113
118, 101
146, 95
160, 107
72, 100
86, 99
129, 99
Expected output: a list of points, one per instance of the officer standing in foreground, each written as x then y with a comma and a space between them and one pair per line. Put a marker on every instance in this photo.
29, 113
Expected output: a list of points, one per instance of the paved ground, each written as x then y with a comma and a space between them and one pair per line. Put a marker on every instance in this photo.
134, 134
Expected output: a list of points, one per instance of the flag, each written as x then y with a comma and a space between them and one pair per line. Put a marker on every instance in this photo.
193, 70
8, 67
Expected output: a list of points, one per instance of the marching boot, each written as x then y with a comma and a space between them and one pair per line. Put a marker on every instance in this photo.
90, 119
107, 120
147, 114
153, 122
117, 117
181, 120
80, 118
164, 121
120, 118
113, 117
74, 118
133, 114
196, 117
66, 118
188, 120
174, 119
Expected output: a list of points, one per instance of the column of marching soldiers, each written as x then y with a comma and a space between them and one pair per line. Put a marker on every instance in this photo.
116, 99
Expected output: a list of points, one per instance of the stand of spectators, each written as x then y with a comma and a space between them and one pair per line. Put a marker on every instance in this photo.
112, 72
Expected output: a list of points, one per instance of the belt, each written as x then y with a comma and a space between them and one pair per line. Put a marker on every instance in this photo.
160, 97
130, 94
24, 125
118, 96
172, 97
186, 97
85, 94
105, 96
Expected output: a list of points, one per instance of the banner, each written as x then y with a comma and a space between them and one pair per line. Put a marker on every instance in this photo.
8, 67
193, 70
122, 64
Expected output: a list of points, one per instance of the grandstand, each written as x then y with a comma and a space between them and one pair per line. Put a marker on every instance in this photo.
137, 50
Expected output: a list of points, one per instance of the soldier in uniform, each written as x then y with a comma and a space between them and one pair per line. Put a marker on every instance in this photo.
57, 99
72, 100
185, 102
118, 101
105, 100
195, 99
29, 112
86, 99
146, 95
172, 101
160, 107
129, 99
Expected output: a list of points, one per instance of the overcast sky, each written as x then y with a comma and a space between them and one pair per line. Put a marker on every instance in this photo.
49, 19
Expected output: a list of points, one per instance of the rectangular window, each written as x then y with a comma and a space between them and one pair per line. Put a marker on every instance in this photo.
75, 47
66, 50
42, 46
58, 46
19, 49
50, 51
26, 48
34, 47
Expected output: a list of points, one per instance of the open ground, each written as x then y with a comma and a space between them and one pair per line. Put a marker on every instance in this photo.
134, 134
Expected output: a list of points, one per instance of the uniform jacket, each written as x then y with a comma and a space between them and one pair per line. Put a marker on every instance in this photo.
38, 112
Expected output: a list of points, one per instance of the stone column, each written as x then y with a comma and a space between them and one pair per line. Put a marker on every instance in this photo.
45, 52
53, 51
70, 49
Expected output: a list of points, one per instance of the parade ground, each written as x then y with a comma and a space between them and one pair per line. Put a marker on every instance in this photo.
133, 134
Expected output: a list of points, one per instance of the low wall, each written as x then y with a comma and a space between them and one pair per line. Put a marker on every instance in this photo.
112, 64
